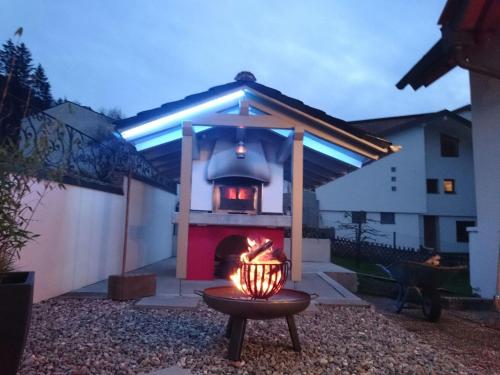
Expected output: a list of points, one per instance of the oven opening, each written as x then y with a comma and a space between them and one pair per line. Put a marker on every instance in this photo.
240, 198
236, 196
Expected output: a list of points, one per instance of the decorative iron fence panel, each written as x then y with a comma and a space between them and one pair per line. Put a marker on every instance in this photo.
85, 160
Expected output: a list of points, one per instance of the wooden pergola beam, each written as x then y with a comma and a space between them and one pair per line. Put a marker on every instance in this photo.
162, 150
173, 170
184, 200
319, 170
326, 162
286, 149
297, 198
344, 133
168, 164
225, 119
174, 150
320, 179
309, 180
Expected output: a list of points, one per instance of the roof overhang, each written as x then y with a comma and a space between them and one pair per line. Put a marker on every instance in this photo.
466, 25
157, 133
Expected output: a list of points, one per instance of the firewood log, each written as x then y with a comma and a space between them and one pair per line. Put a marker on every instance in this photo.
252, 254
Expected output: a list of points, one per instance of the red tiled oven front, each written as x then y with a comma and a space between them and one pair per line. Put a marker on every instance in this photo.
204, 240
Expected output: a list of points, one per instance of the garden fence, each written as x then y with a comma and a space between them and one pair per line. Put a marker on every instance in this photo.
385, 254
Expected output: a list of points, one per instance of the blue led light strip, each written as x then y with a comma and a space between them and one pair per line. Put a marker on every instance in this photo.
163, 122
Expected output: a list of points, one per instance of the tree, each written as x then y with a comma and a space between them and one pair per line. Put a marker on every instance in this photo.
23, 90
363, 229
41, 87
7, 57
23, 67
114, 113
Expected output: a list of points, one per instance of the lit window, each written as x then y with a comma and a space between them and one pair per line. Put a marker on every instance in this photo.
432, 186
449, 146
449, 186
387, 218
462, 234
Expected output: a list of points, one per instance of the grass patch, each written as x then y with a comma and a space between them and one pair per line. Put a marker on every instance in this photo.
364, 267
459, 284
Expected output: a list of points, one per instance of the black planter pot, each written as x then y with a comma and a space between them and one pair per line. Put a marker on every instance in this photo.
16, 300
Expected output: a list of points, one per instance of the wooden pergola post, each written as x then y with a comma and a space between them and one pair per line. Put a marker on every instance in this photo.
184, 199
297, 196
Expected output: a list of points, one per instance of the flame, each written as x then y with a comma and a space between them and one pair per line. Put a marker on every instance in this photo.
231, 193
261, 276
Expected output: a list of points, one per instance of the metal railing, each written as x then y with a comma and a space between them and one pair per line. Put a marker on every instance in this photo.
85, 160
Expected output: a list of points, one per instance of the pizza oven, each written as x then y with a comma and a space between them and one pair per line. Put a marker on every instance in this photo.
237, 195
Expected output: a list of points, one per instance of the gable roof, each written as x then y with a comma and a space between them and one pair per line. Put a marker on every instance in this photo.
215, 91
385, 125
342, 149
390, 125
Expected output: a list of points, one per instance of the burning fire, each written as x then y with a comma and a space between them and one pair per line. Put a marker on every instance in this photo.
260, 273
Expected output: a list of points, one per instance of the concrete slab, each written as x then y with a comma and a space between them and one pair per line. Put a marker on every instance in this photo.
174, 293
313, 267
169, 301
345, 277
170, 371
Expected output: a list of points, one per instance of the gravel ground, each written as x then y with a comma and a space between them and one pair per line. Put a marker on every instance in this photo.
94, 336
466, 336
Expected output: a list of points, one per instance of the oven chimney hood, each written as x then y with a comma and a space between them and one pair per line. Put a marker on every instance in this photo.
224, 162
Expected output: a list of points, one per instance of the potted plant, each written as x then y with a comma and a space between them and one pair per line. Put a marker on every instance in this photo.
23, 184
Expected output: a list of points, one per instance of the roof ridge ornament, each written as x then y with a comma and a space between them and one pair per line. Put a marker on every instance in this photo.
245, 76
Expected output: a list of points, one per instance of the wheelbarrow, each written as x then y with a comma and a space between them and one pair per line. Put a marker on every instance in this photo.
424, 279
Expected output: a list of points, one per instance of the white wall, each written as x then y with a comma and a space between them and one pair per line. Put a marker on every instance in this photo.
81, 236
369, 188
447, 234
485, 95
460, 168
272, 192
406, 227
201, 189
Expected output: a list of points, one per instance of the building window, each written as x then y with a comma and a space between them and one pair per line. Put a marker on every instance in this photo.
393, 188
393, 169
358, 217
449, 186
432, 186
393, 178
462, 234
449, 146
387, 218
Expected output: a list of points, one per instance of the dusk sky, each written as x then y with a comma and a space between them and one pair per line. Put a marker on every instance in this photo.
343, 57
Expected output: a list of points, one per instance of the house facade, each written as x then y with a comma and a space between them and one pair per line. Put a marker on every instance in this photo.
471, 40
421, 196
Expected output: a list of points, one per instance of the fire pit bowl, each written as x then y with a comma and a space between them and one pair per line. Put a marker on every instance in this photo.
229, 300
240, 307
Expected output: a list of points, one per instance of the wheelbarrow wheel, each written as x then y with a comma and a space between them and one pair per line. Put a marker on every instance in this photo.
431, 305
